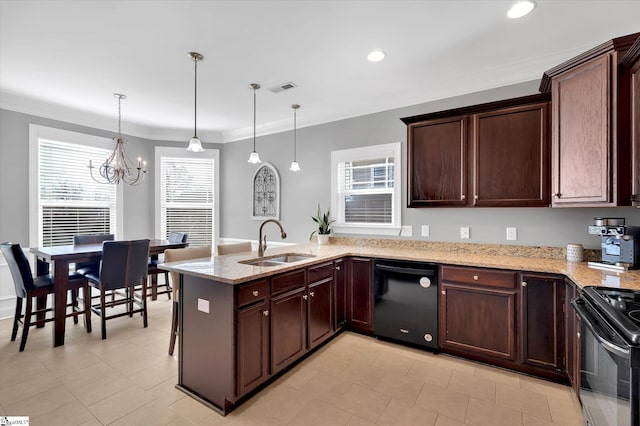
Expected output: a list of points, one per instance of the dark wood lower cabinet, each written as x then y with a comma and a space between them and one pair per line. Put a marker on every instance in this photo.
252, 351
320, 312
478, 320
542, 323
360, 294
288, 328
340, 279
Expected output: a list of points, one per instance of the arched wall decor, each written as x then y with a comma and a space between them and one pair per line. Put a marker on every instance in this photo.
266, 193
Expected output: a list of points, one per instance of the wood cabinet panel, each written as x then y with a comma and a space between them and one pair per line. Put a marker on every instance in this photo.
340, 292
437, 158
360, 294
287, 282
288, 328
252, 350
478, 320
253, 292
511, 165
635, 125
320, 272
542, 322
477, 276
320, 311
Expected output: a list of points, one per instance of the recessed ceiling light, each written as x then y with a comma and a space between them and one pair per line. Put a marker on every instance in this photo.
376, 56
521, 8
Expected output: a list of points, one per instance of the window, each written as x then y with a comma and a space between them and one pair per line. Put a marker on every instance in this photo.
365, 189
186, 185
65, 201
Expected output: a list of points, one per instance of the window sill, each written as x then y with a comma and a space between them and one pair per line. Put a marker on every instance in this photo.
365, 230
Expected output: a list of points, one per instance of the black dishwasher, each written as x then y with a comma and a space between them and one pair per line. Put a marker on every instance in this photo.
406, 302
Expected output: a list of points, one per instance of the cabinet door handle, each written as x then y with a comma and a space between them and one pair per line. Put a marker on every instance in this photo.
443, 292
475, 197
305, 297
265, 313
255, 293
311, 293
462, 197
475, 277
338, 268
556, 194
524, 283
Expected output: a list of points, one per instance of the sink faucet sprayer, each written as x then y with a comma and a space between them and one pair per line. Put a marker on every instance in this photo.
262, 246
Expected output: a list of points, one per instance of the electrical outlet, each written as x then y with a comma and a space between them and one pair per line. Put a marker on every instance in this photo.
425, 230
406, 231
464, 232
512, 234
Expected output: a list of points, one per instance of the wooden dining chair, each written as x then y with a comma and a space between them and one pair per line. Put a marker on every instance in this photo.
154, 271
27, 287
234, 248
84, 268
124, 266
174, 255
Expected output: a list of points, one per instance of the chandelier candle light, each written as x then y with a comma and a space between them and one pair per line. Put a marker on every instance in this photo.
194, 143
295, 167
254, 158
118, 167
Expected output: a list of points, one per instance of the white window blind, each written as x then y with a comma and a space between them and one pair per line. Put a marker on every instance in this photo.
365, 198
69, 201
187, 198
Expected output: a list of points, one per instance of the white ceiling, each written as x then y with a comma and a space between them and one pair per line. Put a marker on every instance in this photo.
65, 59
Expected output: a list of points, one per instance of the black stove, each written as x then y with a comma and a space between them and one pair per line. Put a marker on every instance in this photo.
620, 306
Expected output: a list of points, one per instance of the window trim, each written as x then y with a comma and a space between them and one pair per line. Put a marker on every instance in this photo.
37, 132
364, 153
162, 151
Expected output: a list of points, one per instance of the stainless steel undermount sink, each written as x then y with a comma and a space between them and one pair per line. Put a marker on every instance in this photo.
277, 260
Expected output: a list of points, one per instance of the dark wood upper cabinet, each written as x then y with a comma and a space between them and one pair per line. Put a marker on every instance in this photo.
590, 127
499, 150
437, 155
631, 62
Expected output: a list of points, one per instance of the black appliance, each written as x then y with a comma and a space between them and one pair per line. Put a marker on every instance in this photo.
609, 355
406, 302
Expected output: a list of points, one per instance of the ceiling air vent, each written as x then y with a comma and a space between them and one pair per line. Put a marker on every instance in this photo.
282, 87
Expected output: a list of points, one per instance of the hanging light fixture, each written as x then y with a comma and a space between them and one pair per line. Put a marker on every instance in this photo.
194, 143
254, 158
118, 167
295, 167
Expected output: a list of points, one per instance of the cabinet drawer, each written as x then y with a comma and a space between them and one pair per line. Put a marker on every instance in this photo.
320, 272
487, 277
253, 292
287, 282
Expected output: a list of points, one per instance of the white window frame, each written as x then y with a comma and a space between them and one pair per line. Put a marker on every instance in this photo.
36, 133
183, 153
394, 150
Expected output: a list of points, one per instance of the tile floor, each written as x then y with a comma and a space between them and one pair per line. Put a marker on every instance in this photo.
129, 379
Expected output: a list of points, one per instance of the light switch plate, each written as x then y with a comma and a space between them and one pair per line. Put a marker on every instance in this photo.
464, 232
512, 234
203, 305
425, 230
406, 231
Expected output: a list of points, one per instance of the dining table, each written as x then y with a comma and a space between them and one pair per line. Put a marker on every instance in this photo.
61, 257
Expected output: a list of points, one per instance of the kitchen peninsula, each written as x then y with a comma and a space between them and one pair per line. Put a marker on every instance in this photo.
242, 325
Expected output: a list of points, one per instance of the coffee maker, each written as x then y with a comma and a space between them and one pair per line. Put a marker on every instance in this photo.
620, 244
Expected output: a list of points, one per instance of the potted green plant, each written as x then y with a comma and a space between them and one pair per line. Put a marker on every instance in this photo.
323, 220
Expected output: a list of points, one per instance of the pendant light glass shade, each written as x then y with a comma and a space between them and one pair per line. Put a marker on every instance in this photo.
295, 167
254, 158
194, 143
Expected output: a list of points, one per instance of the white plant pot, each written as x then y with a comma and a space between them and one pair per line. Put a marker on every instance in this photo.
323, 239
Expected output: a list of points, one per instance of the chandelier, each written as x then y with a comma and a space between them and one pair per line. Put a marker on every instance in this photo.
118, 167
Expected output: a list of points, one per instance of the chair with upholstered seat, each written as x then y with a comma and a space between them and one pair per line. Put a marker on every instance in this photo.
27, 287
124, 266
84, 268
154, 271
234, 248
174, 255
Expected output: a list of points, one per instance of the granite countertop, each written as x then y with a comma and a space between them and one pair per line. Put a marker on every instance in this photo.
227, 269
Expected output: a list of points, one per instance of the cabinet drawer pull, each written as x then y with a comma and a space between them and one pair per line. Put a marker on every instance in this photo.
265, 313
475, 197
311, 293
337, 268
255, 293
556, 194
524, 283
404, 331
443, 292
475, 277
305, 297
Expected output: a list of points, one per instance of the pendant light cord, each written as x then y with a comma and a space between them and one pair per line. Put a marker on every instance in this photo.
295, 140
195, 98
119, 116
254, 119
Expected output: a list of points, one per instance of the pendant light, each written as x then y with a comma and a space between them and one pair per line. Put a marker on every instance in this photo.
295, 167
254, 158
194, 143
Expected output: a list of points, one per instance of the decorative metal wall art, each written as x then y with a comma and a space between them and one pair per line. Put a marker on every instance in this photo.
266, 193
